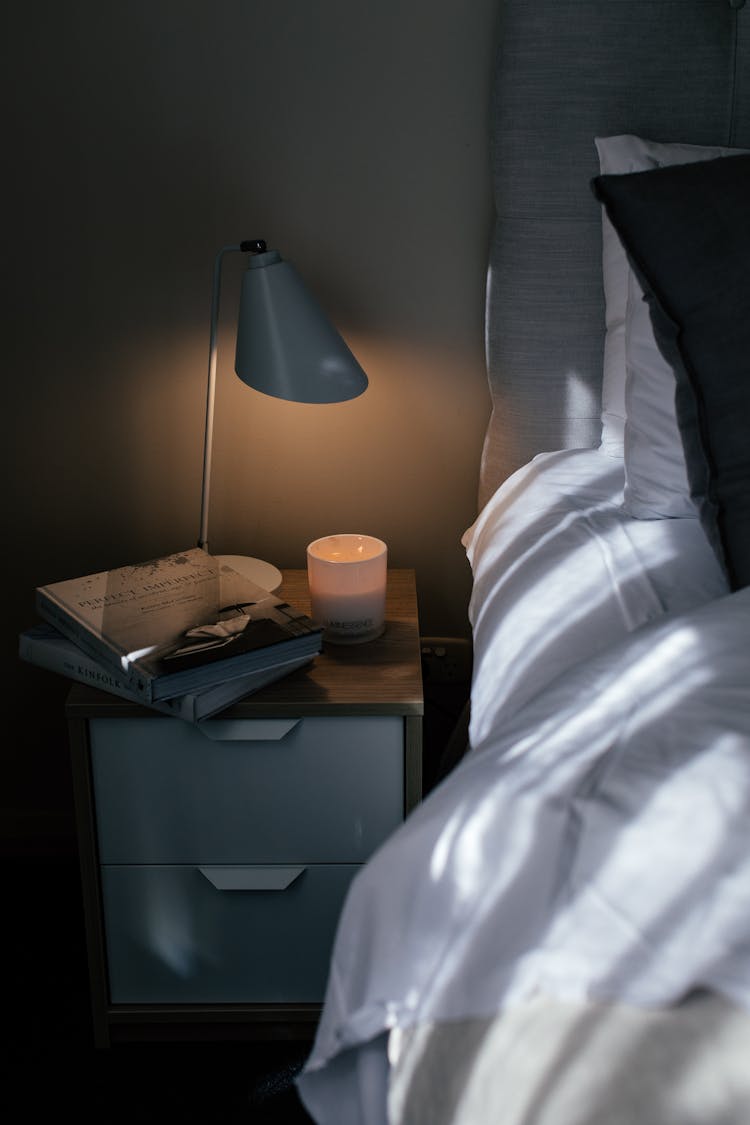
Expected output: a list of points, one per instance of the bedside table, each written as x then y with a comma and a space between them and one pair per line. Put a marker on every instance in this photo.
215, 858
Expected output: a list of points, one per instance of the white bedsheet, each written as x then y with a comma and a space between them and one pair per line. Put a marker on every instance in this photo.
593, 846
561, 572
596, 848
552, 1062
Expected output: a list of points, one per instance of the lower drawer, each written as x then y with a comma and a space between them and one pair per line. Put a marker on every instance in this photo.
230, 934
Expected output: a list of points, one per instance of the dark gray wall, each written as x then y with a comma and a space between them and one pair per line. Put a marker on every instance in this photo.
141, 137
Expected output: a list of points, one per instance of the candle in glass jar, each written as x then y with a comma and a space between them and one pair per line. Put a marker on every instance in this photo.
347, 578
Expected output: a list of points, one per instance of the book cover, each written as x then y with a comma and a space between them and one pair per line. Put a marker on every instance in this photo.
177, 624
46, 647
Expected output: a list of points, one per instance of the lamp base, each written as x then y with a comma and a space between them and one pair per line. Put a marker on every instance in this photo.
261, 573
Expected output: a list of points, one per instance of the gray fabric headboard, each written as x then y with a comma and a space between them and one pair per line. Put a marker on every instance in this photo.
567, 71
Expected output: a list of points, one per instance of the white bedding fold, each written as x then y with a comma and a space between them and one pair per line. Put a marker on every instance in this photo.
594, 845
562, 572
597, 848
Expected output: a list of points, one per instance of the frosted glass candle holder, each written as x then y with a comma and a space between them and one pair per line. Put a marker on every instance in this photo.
347, 575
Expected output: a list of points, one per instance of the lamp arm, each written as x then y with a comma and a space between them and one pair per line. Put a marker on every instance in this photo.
210, 395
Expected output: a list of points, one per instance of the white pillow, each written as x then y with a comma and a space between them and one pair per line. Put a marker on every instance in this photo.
638, 386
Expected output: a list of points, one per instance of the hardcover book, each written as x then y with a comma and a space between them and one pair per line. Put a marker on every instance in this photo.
177, 624
46, 647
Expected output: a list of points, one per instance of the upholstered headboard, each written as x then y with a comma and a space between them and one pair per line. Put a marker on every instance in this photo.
568, 71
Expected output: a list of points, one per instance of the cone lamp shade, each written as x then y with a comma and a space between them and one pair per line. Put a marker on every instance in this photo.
287, 348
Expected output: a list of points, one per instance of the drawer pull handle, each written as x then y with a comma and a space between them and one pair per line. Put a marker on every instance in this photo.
251, 878
246, 730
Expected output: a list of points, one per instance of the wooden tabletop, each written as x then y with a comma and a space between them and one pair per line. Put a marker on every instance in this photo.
380, 677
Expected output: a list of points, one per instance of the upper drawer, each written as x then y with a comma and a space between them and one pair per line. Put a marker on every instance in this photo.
316, 790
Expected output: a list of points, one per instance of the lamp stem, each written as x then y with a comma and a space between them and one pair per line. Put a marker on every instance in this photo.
210, 395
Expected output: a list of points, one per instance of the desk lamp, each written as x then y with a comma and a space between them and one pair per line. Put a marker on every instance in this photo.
287, 348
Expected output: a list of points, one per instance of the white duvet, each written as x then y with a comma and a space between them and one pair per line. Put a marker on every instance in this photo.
560, 573
594, 845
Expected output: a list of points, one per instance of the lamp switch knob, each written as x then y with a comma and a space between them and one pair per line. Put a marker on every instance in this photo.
253, 246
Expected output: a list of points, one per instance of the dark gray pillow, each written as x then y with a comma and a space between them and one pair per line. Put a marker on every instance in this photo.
686, 229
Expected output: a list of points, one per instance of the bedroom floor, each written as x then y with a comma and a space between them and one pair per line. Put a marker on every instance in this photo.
54, 1067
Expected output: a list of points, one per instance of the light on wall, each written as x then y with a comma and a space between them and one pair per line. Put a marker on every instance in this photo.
287, 348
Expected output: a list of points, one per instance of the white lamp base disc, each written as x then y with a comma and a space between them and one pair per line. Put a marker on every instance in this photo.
262, 573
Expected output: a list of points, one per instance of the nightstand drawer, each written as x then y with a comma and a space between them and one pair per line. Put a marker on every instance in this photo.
174, 936
313, 790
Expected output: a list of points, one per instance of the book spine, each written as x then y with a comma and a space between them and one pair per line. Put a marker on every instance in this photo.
63, 657
89, 644
59, 657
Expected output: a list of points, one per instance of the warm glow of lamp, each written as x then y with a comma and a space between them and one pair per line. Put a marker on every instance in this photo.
287, 348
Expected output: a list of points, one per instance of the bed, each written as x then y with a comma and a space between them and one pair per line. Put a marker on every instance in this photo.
559, 934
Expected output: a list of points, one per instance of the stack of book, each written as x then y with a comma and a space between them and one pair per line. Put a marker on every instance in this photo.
184, 634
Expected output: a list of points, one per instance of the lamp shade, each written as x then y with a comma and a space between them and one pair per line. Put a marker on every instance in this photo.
286, 346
